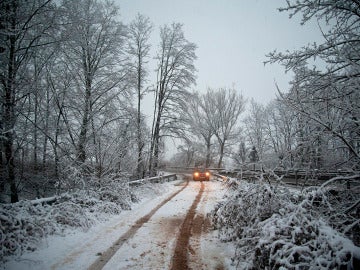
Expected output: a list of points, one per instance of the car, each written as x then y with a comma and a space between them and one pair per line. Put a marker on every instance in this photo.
201, 175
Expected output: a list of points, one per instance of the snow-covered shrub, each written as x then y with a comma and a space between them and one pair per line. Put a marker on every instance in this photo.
297, 240
278, 227
337, 202
113, 189
250, 204
70, 177
23, 224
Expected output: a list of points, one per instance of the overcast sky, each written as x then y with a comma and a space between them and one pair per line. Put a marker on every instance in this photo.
233, 37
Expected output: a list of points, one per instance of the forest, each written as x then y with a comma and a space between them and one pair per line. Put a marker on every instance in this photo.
73, 132
72, 82
74, 77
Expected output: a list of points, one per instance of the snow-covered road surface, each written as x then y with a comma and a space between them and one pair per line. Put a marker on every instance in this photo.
170, 231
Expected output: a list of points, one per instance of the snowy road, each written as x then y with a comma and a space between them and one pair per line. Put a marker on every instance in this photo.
170, 231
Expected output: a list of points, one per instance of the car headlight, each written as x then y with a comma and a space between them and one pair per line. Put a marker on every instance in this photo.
207, 174
196, 174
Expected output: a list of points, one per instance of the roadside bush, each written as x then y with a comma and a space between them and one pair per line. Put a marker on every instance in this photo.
24, 224
278, 228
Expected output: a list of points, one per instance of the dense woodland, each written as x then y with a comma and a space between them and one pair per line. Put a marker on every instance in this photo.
73, 82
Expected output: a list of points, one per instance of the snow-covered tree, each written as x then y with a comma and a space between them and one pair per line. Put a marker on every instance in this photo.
255, 127
94, 50
281, 123
328, 93
175, 74
24, 26
196, 115
139, 48
225, 105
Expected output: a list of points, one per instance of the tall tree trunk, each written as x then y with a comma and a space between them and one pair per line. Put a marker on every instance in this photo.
140, 143
139, 34
9, 157
154, 150
156, 136
208, 153
156, 153
151, 155
9, 121
222, 146
81, 155
46, 129
1, 147
2, 164
55, 146
36, 109
97, 146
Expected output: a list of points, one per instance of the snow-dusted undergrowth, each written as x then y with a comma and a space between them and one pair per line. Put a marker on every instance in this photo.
274, 227
24, 224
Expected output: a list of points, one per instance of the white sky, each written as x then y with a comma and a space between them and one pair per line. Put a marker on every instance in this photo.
232, 36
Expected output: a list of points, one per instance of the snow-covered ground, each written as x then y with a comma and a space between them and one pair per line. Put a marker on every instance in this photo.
274, 227
152, 245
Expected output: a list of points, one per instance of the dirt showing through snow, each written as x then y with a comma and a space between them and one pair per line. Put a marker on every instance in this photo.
182, 248
171, 231
106, 256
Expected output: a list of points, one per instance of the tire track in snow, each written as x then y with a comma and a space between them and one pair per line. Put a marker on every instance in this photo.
201, 245
180, 258
200, 226
106, 256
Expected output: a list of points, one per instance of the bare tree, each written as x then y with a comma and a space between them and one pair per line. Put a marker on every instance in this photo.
195, 116
255, 123
23, 25
139, 47
95, 53
175, 74
281, 122
240, 157
328, 97
224, 109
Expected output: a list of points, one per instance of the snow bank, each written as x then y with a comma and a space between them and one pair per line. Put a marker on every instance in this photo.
24, 224
276, 227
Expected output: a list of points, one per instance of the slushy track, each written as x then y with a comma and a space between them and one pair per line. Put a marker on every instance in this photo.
106, 256
180, 258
